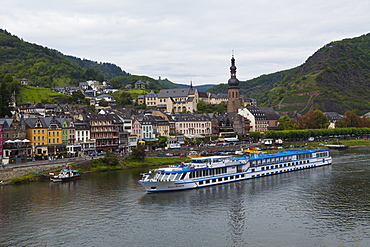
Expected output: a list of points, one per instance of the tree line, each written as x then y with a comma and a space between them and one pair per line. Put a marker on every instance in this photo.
9, 89
318, 120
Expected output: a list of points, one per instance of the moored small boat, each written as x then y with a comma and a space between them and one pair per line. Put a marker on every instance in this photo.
66, 174
336, 146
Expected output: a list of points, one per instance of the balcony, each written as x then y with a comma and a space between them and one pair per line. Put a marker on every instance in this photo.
106, 137
101, 131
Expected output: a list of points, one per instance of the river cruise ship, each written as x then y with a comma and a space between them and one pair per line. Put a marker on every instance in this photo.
206, 171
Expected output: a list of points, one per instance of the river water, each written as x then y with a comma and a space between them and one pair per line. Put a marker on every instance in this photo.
325, 206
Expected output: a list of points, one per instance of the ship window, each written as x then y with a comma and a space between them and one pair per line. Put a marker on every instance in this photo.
160, 176
226, 178
201, 182
172, 175
165, 177
178, 175
214, 180
208, 181
183, 176
220, 180
252, 170
262, 168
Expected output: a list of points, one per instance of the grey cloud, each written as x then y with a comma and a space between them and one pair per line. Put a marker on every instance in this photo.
185, 40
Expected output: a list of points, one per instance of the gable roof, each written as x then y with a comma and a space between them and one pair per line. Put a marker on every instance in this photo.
269, 113
176, 92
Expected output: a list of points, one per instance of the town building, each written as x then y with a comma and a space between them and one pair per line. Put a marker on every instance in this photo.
149, 127
178, 100
103, 131
141, 85
151, 99
193, 124
333, 117
36, 132
45, 135
257, 118
271, 117
137, 129
83, 138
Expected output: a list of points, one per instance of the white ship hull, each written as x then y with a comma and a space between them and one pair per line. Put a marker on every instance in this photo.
168, 186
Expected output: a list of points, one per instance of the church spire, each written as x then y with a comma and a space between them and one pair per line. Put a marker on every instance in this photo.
233, 91
233, 81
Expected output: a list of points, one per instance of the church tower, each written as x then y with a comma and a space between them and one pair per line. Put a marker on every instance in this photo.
233, 103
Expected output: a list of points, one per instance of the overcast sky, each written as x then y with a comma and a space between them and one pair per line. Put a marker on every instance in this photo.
188, 40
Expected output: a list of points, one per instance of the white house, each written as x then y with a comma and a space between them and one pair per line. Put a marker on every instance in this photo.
257, 118
110, 99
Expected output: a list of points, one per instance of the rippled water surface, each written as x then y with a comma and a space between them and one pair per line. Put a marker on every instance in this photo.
326, 206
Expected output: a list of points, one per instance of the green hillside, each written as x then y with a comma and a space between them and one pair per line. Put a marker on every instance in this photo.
335, 78
36, 95
47, 67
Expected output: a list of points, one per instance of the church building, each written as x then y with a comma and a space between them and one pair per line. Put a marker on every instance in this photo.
233, 103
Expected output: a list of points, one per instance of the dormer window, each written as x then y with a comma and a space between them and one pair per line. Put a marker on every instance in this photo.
38, 124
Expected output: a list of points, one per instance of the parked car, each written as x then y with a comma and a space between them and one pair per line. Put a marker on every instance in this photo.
169, 154
182, 155
102, 153
161, 155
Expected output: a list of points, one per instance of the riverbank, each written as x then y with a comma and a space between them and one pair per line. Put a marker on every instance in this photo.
108, 163
111, 162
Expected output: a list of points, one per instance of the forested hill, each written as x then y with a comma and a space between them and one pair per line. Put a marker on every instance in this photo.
47, 67
335, 78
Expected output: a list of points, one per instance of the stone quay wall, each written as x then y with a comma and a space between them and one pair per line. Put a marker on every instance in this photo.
12, 171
